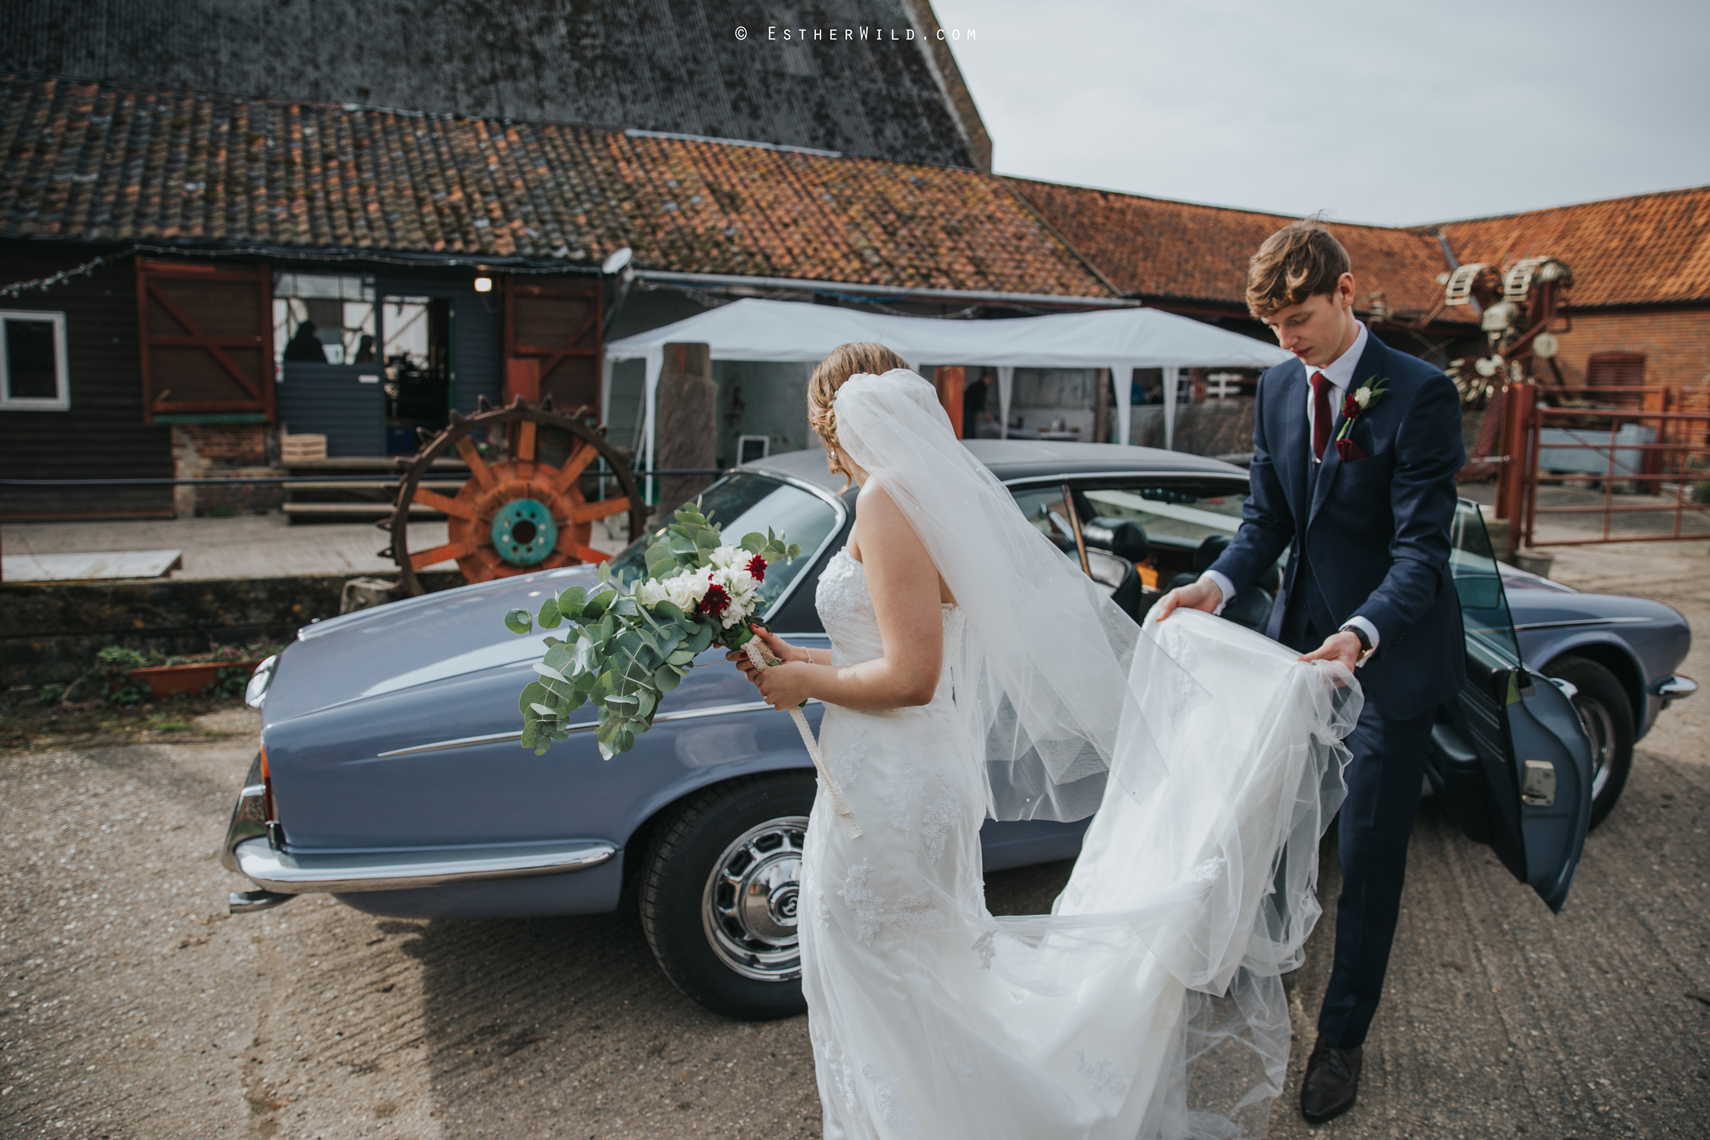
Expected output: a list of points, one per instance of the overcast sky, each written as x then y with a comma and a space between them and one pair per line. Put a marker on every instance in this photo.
1371, 112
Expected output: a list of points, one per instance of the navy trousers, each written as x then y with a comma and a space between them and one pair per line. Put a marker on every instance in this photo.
1376, 821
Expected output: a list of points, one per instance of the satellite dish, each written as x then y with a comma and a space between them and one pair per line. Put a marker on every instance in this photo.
1486, 365
1546, 345
616, 262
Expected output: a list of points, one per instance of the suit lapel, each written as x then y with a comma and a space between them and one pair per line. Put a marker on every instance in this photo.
1369, 368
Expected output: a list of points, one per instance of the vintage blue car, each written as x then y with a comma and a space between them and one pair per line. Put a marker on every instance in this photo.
390, 773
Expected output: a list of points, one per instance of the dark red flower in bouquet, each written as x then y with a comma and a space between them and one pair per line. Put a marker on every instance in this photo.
1351, 409
717, 600
757, 567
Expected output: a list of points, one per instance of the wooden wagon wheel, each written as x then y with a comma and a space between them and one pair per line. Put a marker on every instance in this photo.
520, 514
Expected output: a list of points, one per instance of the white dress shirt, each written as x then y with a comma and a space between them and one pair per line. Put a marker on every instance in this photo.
1340, 373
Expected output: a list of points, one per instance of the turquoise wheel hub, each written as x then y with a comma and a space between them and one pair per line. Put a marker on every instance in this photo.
523, 532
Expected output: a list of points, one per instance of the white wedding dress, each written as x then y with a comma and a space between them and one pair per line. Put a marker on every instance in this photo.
1149, 1002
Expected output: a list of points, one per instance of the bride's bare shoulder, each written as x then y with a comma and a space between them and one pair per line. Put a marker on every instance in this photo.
876, 510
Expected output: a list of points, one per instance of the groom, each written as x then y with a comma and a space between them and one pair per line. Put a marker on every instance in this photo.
1355, 450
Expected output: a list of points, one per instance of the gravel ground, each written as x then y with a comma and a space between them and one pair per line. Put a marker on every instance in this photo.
134, 1007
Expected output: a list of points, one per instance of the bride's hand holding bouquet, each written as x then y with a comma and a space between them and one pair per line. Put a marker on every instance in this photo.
785, 682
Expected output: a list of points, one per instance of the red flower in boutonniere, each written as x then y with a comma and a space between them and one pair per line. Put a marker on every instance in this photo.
1354, 405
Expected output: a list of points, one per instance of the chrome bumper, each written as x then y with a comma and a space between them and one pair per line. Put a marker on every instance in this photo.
254, 850
280, 871
1675, 688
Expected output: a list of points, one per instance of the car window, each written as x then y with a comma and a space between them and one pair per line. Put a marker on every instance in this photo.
1045, 509
744, 502
1172, 513
1175, 517
1478, 581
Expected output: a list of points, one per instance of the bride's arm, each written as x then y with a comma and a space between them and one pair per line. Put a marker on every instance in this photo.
905, 588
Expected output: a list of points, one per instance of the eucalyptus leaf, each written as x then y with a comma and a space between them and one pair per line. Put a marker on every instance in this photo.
665, 679
532, 692
549, 617
518, 621
570, 601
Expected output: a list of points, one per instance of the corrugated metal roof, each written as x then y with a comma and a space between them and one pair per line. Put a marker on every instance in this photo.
104, 162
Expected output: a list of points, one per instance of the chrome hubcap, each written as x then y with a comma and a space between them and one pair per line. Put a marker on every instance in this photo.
1600, 727
749, 907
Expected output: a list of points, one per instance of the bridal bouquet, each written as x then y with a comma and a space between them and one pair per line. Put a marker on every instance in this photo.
629, 643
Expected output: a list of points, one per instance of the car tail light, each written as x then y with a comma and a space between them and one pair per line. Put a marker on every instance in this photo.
269, 807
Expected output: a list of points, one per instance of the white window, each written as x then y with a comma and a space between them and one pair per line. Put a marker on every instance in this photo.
32, 362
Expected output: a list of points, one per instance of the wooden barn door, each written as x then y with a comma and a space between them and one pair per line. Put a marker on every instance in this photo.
552, 343
207, 339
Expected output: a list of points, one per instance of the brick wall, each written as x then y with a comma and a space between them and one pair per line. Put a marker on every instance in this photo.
1675, 341
208, 451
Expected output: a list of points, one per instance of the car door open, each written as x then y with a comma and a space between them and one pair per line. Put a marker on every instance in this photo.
1509, 758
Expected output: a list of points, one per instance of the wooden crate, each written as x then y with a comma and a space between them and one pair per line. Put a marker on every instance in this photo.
296, 448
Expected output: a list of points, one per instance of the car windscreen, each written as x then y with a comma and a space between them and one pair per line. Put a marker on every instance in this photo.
744, 502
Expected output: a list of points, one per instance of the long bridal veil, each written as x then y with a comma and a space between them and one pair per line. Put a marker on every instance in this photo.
1152, 992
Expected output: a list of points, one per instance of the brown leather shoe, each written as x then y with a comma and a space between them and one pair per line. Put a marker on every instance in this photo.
1331, 1084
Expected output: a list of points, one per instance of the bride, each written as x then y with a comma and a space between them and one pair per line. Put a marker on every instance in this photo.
974, 672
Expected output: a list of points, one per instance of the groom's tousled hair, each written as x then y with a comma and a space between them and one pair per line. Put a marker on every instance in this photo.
1300, 260
829, 375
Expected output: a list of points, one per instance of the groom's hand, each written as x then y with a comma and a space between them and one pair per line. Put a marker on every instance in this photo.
1202, 595
1341, 647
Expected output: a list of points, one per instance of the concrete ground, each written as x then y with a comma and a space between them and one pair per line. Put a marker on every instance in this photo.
133, 1007
249, 546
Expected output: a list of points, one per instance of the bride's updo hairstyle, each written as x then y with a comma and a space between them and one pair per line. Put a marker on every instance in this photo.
830, 374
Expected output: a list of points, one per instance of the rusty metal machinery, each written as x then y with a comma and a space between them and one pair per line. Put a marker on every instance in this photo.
523, 511
1520, 315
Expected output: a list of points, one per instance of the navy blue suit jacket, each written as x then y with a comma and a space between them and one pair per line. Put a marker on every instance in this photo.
1374, 530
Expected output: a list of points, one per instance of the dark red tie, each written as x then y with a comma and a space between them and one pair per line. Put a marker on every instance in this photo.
1320, 414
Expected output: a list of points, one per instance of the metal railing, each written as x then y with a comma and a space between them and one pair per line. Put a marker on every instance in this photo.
1601, 464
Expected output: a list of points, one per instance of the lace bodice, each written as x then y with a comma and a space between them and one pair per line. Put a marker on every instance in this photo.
846, 610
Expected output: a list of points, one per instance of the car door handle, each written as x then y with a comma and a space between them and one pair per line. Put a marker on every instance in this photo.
1538, 784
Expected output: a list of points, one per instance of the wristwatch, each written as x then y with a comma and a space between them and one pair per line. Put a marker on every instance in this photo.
1365, 641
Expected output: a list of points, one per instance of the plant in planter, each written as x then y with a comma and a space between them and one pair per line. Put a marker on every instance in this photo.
131, 677
115, 664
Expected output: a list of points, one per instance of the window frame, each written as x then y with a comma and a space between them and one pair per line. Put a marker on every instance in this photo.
62, 366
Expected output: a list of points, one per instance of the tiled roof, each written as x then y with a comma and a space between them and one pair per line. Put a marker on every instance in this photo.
102, 162
1154, 248
664, 65
1648, 249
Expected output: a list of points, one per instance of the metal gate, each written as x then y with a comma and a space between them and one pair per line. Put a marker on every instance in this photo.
1633, 468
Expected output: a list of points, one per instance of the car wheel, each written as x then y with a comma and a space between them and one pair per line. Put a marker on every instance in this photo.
1608, 719
718, 903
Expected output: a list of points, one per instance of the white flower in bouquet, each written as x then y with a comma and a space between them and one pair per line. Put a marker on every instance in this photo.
724, 557
738, 581
650, 593
685, 591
